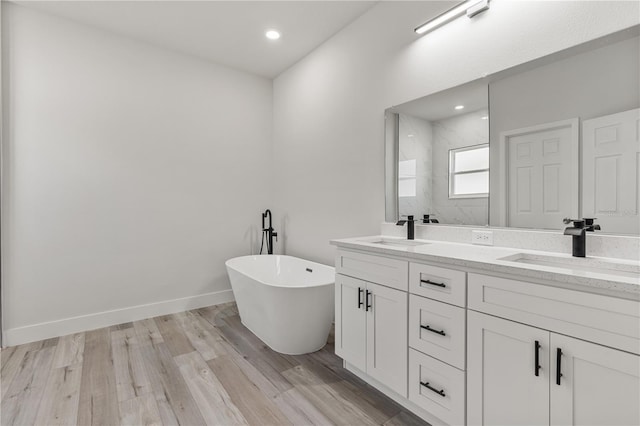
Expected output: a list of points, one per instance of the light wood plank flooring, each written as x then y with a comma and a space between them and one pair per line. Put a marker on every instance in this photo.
193, 368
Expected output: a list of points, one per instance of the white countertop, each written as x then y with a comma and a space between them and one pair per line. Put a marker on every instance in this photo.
489, 259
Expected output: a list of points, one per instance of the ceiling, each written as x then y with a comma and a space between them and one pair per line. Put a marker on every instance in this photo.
230, 33
474, 96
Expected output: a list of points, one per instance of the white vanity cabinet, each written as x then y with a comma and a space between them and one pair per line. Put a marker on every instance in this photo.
598, 385
524, 374
371, 325
403, 324
438, 329
437, 341
502, 385
442, 284
437, 388
458, 346
351, 321
387, 337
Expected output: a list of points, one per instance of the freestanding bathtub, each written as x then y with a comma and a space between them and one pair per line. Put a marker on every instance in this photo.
286, 301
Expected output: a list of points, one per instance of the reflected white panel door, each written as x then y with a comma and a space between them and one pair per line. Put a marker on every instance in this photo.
387, 340
502, 386
351, 333
542, 175
611, 166
598, 386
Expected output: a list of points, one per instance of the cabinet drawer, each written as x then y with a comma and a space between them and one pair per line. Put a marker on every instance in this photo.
602, 319
444, 338
376, 269
445, 395
445, 285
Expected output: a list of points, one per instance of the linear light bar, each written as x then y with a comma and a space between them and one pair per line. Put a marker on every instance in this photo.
470, 7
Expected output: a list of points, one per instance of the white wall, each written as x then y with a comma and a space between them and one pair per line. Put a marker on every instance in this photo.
329, 108
132, 173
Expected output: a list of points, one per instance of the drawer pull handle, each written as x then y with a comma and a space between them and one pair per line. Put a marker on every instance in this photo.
439, 392
558, 365
368, 305
432, 283
440, 332
360, 291
537, 358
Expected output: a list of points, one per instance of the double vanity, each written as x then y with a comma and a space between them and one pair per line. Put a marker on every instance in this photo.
520, 332
467, 334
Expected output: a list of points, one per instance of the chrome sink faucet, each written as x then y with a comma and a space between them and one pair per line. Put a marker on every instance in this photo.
578, 234
411, 229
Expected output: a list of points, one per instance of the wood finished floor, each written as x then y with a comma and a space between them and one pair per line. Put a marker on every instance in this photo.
193, 368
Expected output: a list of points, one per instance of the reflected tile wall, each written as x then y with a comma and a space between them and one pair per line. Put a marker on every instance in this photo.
460, 131
416, 142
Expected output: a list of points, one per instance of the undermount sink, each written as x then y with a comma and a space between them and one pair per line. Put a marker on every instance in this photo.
396, 242
631, 270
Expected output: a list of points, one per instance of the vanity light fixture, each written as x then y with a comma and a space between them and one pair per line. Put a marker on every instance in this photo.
470, 7
459, 107
272, 35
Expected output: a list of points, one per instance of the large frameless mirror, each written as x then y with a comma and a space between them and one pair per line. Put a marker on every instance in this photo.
557, 137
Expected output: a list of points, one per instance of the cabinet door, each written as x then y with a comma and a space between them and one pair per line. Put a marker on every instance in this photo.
598, 386
351, 321
387, 344
502, 386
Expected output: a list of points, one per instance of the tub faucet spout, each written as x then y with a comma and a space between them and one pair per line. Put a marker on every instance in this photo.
268, 232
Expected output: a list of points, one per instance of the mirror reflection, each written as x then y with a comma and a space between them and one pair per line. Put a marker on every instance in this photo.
562, 141
443, 156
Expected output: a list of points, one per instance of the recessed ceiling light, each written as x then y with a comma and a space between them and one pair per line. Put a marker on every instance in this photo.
459, 106
484, 117
272, 35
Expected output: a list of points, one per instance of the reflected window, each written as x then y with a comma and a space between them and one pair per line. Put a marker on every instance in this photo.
407, 178
469, 172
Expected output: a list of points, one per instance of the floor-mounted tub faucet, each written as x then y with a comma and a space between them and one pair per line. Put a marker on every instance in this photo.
578, 234
268, 233
410, 226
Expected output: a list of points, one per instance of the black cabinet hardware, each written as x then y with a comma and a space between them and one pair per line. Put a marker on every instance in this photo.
368, 305
537, 358
360, 297
558, 365
440, 332
432, 283
439, 392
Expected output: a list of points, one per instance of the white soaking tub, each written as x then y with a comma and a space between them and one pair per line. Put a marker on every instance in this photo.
286, 301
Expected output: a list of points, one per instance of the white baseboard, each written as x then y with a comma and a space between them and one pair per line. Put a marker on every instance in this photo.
46, 330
